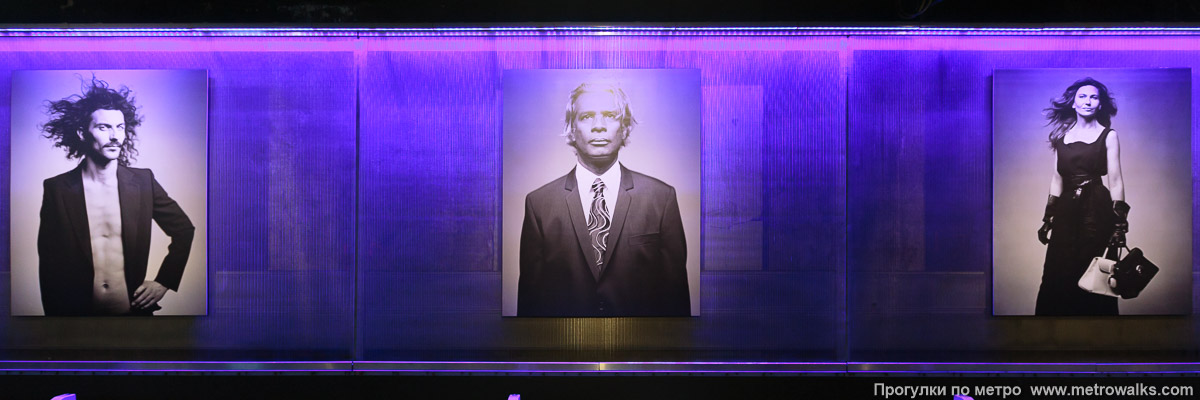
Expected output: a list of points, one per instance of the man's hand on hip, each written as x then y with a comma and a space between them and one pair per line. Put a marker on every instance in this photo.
148, 294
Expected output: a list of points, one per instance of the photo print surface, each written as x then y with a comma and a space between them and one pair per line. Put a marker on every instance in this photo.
601, 202
108, 193
1085, 160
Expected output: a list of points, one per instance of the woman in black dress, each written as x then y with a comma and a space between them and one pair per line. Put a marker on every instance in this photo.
1086, 211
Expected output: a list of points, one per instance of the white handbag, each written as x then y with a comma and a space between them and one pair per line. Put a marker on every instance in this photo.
1095, 279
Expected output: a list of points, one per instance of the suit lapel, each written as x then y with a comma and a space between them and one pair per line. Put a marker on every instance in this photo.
579, 221
131, 205
618, 221
73, 201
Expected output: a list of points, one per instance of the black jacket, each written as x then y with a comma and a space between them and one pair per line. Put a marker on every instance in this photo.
644, 273
65, 269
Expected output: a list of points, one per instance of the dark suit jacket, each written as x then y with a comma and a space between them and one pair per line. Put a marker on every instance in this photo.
644, 272
65, 268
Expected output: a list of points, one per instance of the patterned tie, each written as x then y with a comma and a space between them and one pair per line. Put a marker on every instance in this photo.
599, 223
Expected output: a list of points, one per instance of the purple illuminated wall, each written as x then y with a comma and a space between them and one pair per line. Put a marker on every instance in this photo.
430, 184
354, 186
919, 205
281, 166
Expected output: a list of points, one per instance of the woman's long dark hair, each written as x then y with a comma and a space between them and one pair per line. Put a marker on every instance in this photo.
1061, 114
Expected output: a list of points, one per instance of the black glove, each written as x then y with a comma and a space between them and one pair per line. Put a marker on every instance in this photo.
1044, 231
1121, 226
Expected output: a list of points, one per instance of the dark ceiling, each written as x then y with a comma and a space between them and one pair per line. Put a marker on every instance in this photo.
444, 12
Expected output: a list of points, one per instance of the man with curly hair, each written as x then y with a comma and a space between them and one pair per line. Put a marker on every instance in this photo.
94, 237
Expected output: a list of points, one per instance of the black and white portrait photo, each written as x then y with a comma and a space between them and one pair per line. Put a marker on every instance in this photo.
601, 190
1088, 164
109, 192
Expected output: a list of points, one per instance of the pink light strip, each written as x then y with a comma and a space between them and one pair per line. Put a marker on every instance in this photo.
600, 30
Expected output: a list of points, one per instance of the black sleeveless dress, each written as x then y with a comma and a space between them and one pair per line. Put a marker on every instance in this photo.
1082, 226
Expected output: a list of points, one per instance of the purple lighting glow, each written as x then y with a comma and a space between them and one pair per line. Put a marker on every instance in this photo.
842, 179
595, 368
599, 30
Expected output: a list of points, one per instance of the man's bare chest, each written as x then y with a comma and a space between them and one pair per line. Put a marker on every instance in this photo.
103, 209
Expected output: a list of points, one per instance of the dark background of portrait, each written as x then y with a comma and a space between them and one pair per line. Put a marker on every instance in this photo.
280, 167
1153, 125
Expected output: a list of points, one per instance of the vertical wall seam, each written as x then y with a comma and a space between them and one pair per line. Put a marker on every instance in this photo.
356, 342
844, 56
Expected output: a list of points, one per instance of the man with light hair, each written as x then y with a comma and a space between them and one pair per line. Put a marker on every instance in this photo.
602, 240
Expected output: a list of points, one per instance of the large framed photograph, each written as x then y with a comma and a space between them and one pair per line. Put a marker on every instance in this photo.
109, 189
601, 193
1092, 166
